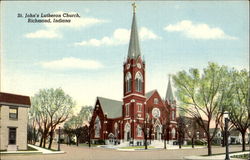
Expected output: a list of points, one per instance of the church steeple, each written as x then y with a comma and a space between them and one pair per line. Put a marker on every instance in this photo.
169, 95
134, 47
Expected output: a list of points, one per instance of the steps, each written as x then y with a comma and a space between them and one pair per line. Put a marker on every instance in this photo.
123, 144
12, 148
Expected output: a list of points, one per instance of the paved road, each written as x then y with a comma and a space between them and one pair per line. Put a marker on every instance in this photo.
84, 153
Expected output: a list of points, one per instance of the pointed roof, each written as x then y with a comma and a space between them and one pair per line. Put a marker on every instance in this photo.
134, 47
169, 95
112, 108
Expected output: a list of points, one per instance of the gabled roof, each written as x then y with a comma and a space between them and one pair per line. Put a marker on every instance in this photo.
112, 108
14, 99
149, 94
134, 47
169, 94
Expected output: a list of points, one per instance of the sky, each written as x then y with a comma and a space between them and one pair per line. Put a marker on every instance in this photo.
85, 57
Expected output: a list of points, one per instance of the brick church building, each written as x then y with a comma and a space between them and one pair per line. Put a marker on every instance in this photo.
139, 114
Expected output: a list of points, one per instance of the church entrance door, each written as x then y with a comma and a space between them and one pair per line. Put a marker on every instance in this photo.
127, 132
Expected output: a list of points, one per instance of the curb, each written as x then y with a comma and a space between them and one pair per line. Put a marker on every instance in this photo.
20, 152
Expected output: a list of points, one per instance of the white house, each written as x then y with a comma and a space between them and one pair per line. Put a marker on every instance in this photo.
13, 121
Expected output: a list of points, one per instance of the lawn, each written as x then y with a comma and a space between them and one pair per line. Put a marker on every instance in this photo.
242, 156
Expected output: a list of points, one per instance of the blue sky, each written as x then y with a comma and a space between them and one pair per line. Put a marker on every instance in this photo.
85, 57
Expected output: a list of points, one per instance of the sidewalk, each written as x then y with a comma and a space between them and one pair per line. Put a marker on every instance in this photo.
39, 151
45, 151
217, 157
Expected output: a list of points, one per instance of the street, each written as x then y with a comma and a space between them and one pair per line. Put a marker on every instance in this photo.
85, 153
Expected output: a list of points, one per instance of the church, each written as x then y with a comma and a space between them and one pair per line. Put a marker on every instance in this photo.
140, 115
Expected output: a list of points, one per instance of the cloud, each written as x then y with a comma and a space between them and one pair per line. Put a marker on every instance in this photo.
70, 63
146, 34
53, 30
120, 36
43, 34
198, 30
75, 22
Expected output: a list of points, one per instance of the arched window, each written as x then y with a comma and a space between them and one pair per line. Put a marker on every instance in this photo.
138, 81
173, 133
139, 131
97, 127
116, 129
128, 82
127, 132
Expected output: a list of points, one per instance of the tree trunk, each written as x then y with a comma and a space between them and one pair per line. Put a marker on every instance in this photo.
77, 139
192, 142
243, 141
41, 141
209, 147
51, 139
89, 136
165, 146
223, 139
44, 141
179, 140
179, 145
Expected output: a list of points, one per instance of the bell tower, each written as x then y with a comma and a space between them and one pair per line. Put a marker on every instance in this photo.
133, 85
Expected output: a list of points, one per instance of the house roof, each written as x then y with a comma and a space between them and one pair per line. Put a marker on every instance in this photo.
211, 130
150, 93
112, 108
134, 47
234, 132
14, 99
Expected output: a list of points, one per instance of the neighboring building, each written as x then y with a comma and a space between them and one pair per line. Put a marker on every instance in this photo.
193, 130
218, 137
13, 121
122, 121
235, 137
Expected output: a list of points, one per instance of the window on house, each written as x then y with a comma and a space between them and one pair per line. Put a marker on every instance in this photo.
138, 82
173, 115
128, 82
12, 135
156, 101
197, 135
13, 113
127, 109
139, 107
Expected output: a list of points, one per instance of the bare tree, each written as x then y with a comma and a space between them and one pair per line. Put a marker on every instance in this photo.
52, 107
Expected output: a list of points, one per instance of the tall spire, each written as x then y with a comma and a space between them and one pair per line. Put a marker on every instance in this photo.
169, 94
134, 47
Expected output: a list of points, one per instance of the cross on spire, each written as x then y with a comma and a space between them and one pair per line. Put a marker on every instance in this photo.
134, 7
